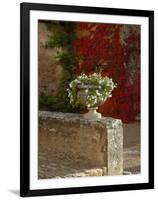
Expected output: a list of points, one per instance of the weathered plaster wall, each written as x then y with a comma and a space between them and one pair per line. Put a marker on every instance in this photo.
50, 71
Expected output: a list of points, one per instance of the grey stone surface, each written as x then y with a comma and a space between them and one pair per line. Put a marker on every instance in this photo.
132, 147
93, 148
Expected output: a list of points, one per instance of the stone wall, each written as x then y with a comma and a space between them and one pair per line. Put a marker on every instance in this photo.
68, 138
49, 70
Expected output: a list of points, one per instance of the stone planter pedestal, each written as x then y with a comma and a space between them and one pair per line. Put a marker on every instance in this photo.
70, 138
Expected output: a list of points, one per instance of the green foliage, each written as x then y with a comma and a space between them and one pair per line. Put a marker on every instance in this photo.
60, 39
67, 59
52, 103
46, 101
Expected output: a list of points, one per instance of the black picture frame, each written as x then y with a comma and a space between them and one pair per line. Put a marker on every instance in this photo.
25, 9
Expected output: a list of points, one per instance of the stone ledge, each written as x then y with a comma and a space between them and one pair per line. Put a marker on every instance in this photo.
73, 117
57, 168
69, 137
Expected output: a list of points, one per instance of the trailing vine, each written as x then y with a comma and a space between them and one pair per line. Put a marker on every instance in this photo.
61, 39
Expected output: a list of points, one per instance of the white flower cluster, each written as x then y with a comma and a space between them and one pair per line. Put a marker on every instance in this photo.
97, 89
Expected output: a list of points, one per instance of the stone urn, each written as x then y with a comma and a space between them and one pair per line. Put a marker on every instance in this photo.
82, 96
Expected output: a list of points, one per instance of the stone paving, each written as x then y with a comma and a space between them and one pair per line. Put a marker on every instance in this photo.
62, 168
131, 155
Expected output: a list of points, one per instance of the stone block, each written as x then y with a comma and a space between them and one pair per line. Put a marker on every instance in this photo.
87, 144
